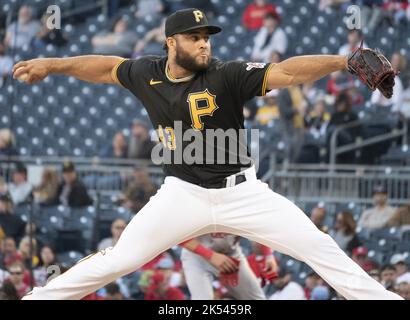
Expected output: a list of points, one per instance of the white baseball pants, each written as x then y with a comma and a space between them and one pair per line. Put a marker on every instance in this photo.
182, 211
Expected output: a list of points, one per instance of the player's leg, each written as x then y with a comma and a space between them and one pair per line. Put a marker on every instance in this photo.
164, 222
254, 211
198, 276
248, 287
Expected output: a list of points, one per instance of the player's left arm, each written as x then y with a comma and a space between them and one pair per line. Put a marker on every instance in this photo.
301, 69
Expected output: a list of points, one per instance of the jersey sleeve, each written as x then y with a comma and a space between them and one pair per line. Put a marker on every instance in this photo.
248, 79
129, 73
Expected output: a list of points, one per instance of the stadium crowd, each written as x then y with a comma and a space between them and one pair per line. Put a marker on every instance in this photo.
302, 112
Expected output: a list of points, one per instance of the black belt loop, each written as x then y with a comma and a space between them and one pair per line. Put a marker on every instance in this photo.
239, 178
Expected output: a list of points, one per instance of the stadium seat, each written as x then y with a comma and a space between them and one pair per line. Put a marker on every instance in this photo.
69, 258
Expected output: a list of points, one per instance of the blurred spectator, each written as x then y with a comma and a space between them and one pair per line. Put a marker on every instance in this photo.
46, 192
342, 115
372, 13
318, 217
403, 289
354, 39
8, 291
270, 38
342, 82
118, 41
268, 110
292, 108
3, 185
375, 274
399, 63
117, 227
170, 6
398, 260
344, 232
148, 7
152, 42
320, 293
408, 13
359, 255
6, 65
404, 108
47, 259
9, 252
379, 216
254, 13
11, 224
312, 281
168, 268
311, 92
140, 144
287, 289
117, 149
7, 142
317, 120
140, 189
3, 273
388, 276
49, 36
30, 230
16, 271
72, 191
396, 10
112, 292
25, 254
204, 5
324, 4
22, 31
401, 218
160, 289
20, 189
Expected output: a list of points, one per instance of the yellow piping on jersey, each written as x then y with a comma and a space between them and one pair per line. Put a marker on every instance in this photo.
175, 80
265, 79
114, 71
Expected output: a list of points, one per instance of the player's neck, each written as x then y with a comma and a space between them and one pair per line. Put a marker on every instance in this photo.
175, 71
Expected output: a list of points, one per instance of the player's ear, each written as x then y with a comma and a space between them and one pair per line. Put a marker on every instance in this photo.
171, 42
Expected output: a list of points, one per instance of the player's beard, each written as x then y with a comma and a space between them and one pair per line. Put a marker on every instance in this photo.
188, 62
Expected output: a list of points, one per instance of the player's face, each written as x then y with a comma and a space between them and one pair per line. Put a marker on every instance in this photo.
193, 50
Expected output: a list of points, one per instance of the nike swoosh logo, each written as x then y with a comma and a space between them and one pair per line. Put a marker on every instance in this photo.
152, 82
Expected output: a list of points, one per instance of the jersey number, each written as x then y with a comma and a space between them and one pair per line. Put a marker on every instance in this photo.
198, 112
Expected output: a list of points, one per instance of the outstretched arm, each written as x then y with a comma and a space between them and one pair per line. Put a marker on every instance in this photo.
301, 69
91, 68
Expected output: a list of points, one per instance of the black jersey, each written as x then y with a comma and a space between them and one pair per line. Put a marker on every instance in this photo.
209, 100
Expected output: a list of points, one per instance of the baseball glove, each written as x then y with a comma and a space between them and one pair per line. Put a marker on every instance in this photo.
373, 69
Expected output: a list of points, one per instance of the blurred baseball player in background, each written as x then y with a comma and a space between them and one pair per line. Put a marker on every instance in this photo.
219, 255
191, 89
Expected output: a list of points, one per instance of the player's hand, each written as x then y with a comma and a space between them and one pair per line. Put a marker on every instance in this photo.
270, 265
223, 263
31, 71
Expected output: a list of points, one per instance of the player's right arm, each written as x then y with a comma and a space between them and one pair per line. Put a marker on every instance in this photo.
220, 261
90, 68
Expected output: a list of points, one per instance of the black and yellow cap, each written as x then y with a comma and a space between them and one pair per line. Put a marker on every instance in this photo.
187, 20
